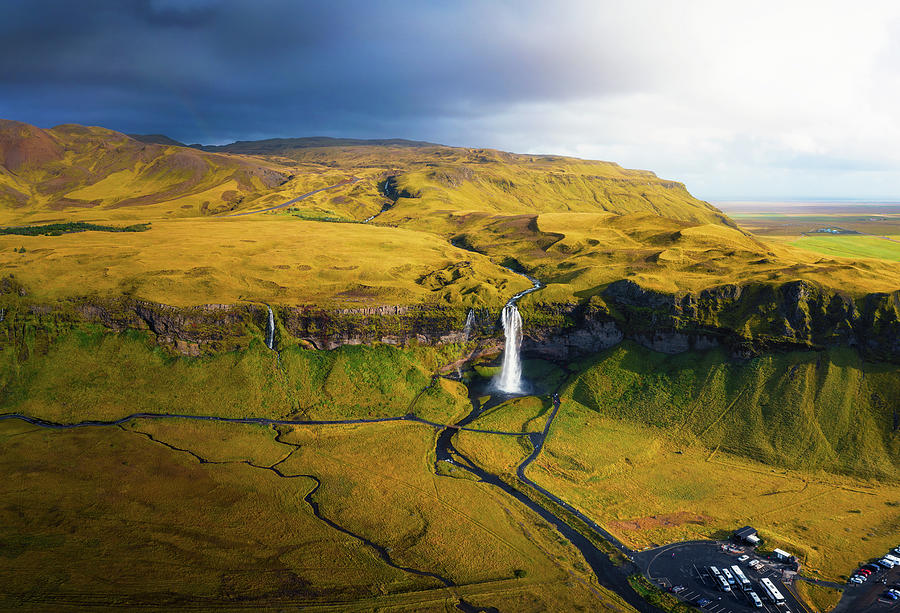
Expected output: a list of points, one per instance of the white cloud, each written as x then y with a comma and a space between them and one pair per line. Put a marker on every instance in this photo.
755, 100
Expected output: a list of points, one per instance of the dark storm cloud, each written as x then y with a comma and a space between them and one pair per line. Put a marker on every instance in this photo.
744, 99
218, 70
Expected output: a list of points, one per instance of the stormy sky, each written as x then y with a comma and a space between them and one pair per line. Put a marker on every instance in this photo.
749, 100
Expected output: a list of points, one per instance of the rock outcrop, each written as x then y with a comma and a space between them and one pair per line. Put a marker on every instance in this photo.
747, 320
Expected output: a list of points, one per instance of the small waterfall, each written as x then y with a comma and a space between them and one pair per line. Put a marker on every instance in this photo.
470, 325
270, 329
510, 379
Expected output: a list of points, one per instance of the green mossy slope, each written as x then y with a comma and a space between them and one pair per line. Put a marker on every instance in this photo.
806, 410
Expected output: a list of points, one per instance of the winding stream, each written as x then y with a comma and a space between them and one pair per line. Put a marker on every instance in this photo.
608, 574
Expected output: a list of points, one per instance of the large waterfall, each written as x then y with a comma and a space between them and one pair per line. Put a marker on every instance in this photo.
270, 329
510, 379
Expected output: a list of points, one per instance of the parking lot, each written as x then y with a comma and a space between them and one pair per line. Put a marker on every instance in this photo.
686, 564
867, 597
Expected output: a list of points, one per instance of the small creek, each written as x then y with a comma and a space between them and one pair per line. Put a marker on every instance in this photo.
608, 574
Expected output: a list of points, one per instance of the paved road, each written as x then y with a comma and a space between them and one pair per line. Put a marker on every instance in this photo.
297, 199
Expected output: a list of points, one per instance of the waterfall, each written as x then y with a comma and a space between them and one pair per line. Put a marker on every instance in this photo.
470, 325
270, 329
510, 379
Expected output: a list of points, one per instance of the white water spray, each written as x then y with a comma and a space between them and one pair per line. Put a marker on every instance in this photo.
470, 325
510, 380
270, 329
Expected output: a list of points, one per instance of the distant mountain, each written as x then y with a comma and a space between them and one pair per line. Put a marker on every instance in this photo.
78, 167
157, 139
273, 146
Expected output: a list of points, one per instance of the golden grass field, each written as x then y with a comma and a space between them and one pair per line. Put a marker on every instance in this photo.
578, 224
279, 261
820, 599
130, 516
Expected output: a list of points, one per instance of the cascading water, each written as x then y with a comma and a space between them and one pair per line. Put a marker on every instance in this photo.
270, 329
470, 325
510, 379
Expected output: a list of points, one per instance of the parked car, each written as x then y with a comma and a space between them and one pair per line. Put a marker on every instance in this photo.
703, 602
677, 588
885, 563
857, 579
743, 558
889, 595
865, 572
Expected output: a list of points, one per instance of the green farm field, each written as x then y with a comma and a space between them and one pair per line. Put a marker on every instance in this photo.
853, 246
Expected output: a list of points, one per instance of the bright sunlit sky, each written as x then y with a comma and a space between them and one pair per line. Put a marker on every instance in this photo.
749, 100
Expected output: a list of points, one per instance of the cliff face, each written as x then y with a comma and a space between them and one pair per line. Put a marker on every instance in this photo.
756, 318
213, 328
747, 320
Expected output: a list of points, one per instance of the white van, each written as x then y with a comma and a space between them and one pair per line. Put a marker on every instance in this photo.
754, 599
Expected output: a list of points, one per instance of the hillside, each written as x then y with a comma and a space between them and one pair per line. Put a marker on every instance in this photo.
75, 167
577, 224
73, 170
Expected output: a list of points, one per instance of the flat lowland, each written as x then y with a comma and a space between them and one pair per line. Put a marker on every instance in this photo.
132, 508
864, 230
853, 246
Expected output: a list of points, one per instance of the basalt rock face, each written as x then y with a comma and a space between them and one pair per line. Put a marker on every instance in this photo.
747, 320
395, 325
187, 330
213, 328
756, 318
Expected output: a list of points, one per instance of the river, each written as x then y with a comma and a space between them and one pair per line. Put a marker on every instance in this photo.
608, 574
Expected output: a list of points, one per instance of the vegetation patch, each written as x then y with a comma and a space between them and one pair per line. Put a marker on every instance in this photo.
57, 229
657, 597
820, 599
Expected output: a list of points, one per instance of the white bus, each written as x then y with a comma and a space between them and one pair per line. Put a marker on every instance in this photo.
742, 579
771, 592
719, 579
